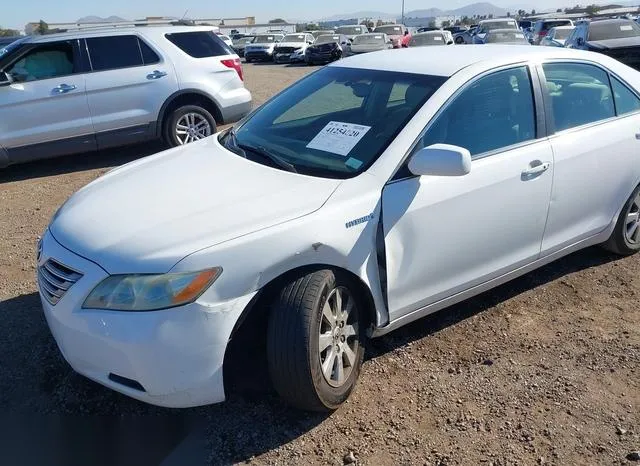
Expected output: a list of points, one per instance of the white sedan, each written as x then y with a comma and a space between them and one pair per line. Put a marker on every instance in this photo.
367, 195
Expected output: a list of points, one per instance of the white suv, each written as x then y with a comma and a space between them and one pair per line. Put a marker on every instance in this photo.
96, 88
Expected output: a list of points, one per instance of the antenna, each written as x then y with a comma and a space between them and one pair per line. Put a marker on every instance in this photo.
185, 14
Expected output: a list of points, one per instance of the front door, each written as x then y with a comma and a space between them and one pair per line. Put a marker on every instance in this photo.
444, 235
46, 106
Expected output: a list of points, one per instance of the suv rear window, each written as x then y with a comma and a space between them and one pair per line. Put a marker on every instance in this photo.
115, 52
199, 44
546, 25
613, 30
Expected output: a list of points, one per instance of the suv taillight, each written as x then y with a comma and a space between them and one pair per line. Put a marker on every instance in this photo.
235, 64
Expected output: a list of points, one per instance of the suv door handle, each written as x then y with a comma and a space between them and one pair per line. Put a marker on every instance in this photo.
157, 74
63, 88
535, 168
638, 136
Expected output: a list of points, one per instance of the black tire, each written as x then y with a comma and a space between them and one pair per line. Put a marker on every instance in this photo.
459, 40
247, 60
618, 242
293, 339
172, 119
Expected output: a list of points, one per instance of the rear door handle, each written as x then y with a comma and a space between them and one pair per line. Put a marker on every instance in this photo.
535, 168
157, 74
63, 88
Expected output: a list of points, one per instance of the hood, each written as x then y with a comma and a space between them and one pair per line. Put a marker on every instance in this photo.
615, 43
146, 216
364, 48
323, 47
294, 45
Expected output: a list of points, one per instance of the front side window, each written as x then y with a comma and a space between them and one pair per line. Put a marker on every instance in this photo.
494, 112
626, 100
45, 61
580, 94
334, 123
200, 44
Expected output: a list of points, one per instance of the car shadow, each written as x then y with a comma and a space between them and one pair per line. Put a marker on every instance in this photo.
79, 162
41, 392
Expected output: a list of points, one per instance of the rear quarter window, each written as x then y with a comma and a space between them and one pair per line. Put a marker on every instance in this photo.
199, 44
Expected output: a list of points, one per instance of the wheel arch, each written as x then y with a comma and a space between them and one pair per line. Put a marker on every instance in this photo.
187, 97
251, 327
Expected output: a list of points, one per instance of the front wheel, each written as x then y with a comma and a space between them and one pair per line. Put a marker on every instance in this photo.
188, 124
314, 341
459, 40
625, 239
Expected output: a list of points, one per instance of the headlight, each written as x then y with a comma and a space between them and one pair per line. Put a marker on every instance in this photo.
150, 292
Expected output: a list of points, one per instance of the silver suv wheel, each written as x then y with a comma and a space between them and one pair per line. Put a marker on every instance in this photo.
192, 127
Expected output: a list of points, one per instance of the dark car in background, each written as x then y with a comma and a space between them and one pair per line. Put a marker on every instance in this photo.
506, 36
4, 41
618, 38
542, 27
240, 43
327, 48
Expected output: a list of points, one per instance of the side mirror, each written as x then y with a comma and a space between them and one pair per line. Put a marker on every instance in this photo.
580, 41
441, 160
5, 79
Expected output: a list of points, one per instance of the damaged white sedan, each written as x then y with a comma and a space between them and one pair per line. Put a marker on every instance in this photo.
369, 194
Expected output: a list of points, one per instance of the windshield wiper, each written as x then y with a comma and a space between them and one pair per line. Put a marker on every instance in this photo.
267, 154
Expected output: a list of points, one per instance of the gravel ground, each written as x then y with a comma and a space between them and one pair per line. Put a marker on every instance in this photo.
545, 369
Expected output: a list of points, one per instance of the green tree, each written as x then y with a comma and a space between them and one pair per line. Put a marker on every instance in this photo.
533, 12
508, 14
559, 10
432, 23
42, 28
445, 24
592, 9
276, 21
368, 23
8, 32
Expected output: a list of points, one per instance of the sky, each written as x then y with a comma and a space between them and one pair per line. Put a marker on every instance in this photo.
52, 11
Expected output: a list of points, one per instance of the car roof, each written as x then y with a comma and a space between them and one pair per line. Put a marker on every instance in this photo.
115, 31
496, 20
563, 27
430, 33
446, 61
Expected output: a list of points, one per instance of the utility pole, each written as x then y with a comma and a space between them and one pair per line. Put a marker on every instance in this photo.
402, 21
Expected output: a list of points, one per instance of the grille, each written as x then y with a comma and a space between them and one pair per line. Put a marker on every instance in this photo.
287, 49
55, 279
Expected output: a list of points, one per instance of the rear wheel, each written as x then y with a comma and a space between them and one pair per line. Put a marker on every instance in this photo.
459, 40
188, 124
625, 239
314, 341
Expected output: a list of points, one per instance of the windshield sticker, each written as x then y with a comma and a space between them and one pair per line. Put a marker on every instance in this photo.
437, 38
353, 163
378, 37
626, 27
338, 138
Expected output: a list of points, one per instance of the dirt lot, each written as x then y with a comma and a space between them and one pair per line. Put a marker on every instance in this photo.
545, 369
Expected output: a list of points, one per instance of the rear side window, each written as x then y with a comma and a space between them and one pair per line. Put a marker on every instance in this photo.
495, 112
114, 52
626, 101
199, 44
580, 94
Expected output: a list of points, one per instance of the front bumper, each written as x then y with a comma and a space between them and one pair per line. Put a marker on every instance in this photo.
176, 355
258, 55
294, 57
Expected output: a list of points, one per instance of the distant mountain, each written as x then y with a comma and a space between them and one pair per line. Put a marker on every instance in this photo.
481, 9
98, 19
428, 13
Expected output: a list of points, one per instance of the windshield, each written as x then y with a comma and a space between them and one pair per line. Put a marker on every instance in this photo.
498, 25
243, 41
427, 39
369, 39
327, 39
350, 30
334, 123
505, 36
266, 39
390, 30
321, 33
294, 38
562, 33
10, 47
612, 30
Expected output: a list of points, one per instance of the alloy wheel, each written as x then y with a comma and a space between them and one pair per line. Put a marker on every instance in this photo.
192, 127
338, 340
632, 222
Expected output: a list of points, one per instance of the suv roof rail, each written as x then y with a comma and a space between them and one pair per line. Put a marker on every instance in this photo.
120, 24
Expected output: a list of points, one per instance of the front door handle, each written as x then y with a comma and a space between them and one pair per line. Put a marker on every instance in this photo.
535, 168
63, 88
157, 74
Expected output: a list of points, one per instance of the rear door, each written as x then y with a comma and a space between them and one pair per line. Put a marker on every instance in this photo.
46, 105
596, 150
129, 83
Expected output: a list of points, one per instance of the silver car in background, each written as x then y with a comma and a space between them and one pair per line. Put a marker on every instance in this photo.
371, 42
423, 39
506, 36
